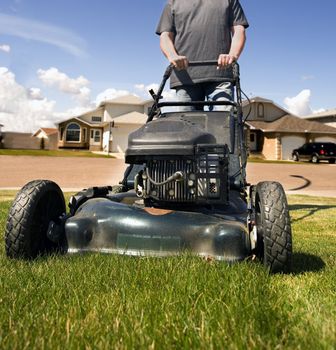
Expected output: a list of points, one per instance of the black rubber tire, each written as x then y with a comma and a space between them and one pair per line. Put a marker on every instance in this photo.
296, 157
274, 241
35, 205
315, 159
331, 161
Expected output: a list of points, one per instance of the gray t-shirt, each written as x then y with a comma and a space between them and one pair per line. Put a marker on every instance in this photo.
202, 31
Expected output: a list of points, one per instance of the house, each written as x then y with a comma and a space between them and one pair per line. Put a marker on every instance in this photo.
327, 117
271, 130
1, 138
48, 138
105, 128
274, 132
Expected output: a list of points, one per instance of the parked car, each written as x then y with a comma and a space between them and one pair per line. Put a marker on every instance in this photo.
316, 151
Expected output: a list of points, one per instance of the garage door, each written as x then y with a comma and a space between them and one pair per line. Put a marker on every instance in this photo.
120, 137
289, 143
325, 139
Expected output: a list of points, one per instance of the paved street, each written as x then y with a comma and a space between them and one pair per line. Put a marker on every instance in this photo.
78, 173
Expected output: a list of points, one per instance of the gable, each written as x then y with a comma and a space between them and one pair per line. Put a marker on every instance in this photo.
264, 111
73, 120
92, 117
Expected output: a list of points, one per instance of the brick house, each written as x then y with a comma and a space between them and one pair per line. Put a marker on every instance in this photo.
274, 132
105, 128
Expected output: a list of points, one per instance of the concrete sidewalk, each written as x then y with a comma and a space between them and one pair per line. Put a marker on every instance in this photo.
74, 174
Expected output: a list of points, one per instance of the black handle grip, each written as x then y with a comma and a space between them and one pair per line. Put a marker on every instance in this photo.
203, 63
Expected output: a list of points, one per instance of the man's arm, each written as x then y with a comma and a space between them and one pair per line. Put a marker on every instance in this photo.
237, 46
168, 49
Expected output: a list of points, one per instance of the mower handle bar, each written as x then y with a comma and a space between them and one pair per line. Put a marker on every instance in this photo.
205, 63
208, 63
197, 104
166, 76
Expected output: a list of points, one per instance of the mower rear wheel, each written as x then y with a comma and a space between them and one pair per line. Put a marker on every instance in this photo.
37, 204
274, 235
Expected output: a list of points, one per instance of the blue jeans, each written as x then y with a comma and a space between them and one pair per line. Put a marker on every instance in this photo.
215, 91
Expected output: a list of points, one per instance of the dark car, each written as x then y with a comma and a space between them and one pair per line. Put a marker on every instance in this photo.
316, 151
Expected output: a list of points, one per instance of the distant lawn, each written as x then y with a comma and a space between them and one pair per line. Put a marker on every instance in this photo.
260, 160
45, 153
99, 301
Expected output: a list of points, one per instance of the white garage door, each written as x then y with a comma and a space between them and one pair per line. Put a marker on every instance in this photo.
120, 137
289, 143
325, 139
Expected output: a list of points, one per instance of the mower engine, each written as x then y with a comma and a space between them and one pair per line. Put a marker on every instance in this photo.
182, 163
202, 179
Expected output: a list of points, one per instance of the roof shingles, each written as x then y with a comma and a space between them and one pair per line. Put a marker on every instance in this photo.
291, 124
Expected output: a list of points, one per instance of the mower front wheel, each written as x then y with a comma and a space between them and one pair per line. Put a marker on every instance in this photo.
37, 204
274, 235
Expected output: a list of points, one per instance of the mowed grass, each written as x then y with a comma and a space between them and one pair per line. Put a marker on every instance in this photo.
47, 153
106, 301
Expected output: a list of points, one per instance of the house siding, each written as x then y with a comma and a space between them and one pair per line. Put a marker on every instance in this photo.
116, 110
83, 144
88, 117
271, 112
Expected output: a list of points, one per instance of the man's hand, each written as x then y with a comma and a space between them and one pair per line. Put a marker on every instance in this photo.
167, 46
179, 62
225, 60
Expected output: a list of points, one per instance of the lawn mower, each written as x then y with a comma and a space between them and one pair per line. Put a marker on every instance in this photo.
184, 190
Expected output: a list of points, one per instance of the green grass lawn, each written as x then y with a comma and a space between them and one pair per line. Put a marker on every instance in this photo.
106, 301
47, 153
260, 160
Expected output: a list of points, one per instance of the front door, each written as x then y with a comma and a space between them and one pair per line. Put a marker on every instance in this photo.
95, 137
253, 141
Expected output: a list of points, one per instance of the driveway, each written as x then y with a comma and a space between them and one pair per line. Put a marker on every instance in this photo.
78, 173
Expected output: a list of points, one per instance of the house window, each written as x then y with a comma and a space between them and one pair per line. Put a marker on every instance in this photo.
97, 136
73, 133
61, 133
96, 119
261, 110
84, 134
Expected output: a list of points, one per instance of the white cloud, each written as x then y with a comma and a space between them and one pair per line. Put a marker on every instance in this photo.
140, 87
35, 94
72, 112
110, 94
18, 111
320, 110
307, 77
300, 104
5, 48
78, 87
26, 109
168, 95
42, 32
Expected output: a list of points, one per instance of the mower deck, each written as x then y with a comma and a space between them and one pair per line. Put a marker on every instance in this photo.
112, 226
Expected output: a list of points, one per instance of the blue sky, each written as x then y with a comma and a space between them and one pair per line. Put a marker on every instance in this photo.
108, 45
